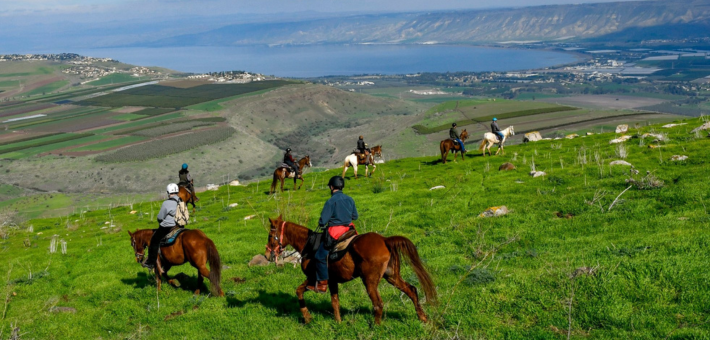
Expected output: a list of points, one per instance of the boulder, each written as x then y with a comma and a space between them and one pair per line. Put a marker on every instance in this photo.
572, 136
234, 205
590, 133
506, 166
235, 183
668, 126
380, 161
620, 139
438, 187
679, 157
622, 128
259, 260
705, 126
657, 136
213, 187
620, 163
537, 173
249, 217
494, 211
533, 136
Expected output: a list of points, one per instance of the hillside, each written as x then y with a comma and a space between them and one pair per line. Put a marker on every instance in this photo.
466, 26
582, 253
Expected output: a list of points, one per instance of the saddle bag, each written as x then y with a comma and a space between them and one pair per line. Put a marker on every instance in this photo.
182, 214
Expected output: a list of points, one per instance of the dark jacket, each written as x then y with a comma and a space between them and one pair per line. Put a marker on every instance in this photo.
288, 158
360, 144
453, 133
339, 209
184, 176
494, 127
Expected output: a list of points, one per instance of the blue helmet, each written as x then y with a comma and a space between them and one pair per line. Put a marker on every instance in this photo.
184, 166
494, 119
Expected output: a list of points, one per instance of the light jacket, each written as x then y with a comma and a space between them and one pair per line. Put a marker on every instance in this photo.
166, 215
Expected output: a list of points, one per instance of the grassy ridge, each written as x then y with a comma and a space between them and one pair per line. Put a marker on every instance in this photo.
634, 270
421, 129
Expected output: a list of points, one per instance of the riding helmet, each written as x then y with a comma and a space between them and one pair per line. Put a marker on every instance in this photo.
454, 124
173, 188
494, 119
184, 166
336, 182
288, 149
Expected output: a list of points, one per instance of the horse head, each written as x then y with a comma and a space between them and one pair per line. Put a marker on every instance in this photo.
274, 245
512, 131
138, 242
464, 135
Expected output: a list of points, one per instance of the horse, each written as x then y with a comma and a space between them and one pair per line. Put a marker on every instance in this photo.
353, 161
370, 257
491, 139
187, 196
377, 151
190, 246
281, 173
448, 144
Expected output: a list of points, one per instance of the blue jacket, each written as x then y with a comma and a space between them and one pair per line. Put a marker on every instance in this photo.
338, 210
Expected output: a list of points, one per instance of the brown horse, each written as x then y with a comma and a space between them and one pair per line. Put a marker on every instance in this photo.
370, 257
282, 173
448, 144
190, 246
377, 151
187, 197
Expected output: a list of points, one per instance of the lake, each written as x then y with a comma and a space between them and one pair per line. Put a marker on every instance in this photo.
323, 60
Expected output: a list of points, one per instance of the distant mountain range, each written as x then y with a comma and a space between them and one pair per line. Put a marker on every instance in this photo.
623, 21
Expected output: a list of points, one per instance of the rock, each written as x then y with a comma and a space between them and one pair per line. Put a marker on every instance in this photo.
258, 260
705, 126
668, 126
572, 136
620, 163
380, 161
679, 157
546, 139
235, 183
657, 136
133, 212
506, 166
234, 205
293, 258
558, 138
533, 136
62, 310
620, 139
622, 128
212, 187
438, 187
537, 173
249, 217
494, 211
590, 133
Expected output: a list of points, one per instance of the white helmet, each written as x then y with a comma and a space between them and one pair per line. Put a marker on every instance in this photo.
173, 188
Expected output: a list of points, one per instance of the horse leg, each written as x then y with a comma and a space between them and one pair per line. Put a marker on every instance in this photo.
302, 303
300, 185
334, 299
282, 183
354, 171
411, 291
371, 287
158, 272
202, 272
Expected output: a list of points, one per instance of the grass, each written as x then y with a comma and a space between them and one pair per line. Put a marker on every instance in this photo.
128, 117
42, 141
512, 277
109, 144
116, 78
139, 123
9, 83
33, 151
51, 87
215, 105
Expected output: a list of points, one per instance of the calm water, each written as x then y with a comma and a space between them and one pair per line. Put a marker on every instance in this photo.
322, 60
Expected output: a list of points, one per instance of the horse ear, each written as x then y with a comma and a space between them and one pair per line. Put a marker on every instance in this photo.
280, 218
130, 233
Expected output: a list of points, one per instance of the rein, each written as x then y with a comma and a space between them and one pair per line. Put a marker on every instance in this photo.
279, 248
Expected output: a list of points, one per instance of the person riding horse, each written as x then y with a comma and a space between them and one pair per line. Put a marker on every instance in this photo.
495, 129
288, 160
337, 217
454, 134
362, 148
186, 181
166, 220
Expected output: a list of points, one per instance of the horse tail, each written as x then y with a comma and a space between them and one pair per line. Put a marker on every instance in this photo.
276, 179
442, 148
215, 268
398, 245
483, 144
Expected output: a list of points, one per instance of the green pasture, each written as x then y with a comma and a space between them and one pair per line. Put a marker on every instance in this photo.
109, 144
139, 123
582, 253
32, 151
116, 78
47, 88
536, 95
215, 105
9, 83
29, 70
128, 116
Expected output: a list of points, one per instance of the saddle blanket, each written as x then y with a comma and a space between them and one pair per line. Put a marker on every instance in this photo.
170, 238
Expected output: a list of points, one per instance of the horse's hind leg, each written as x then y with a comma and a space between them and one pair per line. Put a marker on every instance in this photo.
411, 291
202, 272
302, 302
377, 305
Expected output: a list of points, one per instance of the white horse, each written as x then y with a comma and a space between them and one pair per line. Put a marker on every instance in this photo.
491, 138
353, 161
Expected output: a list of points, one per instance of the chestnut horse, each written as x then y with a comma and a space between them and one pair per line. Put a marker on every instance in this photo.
187, 197
281, 173
448, 144
190, 246
353, 161
370, 257
377, 151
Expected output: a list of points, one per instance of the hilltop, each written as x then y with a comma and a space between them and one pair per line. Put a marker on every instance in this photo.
590, 250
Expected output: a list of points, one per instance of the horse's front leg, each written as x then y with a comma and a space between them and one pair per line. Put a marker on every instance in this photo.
300, 185
334, 299
302, 302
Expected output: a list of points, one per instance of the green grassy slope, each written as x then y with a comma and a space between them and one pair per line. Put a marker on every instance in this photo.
506, 277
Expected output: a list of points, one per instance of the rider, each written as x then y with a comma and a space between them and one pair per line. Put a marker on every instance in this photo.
166, 219
361, 146
288, 159
186, 180
454, 134
336, 218
495, 129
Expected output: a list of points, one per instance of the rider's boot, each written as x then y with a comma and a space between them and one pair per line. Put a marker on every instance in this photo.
319, 287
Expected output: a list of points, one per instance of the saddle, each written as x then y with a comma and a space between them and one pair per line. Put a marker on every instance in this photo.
170, 238
339, 250
454, 141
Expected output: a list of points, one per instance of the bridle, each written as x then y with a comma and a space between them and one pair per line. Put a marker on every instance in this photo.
137, 254
279, 248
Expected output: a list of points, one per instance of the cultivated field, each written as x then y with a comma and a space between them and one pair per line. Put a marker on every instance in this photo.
588, 251
605, 101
